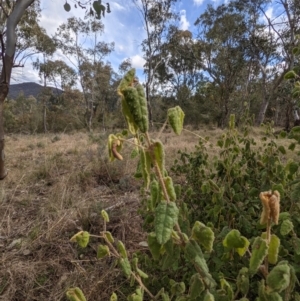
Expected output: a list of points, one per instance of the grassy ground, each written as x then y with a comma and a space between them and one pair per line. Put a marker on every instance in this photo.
56, 186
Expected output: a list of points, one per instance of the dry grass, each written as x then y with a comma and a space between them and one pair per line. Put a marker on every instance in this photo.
57, 185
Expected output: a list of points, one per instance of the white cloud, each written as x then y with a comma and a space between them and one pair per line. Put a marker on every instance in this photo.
269, 12
184, 23
137, 61
117, 6
198, 2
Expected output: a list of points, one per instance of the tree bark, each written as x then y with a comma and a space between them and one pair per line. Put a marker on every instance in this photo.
9, 52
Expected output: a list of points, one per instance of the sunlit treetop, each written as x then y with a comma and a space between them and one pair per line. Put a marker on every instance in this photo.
92, 8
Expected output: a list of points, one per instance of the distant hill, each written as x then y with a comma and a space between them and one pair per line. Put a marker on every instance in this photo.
28, 89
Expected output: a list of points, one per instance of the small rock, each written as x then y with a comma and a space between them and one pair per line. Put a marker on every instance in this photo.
26, 252
14, 243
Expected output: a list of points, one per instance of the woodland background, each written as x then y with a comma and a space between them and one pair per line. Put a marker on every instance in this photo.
235, 62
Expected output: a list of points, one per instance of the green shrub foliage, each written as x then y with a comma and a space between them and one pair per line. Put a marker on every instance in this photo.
205, 236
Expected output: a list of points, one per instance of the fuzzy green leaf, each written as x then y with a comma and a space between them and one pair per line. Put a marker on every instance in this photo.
273, 249
175, 119
122, 249
109, 237
279, 278
145, 167
265, 295
208, 297
194, 254
154, 246
242, 281
203, 235
82, 238
102, 251
105, 215
159, 154
155, 194
170, 188
295, 196
75, 294
290, 75
296, 244
178, 288
166, 216
125, 266
113, 297
234, 240
126, 81
286, 227
259, 252
196, 286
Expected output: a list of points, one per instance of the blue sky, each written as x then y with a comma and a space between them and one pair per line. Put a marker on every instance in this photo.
123, 26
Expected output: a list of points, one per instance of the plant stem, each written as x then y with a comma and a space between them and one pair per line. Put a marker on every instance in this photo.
268, 242
140, 282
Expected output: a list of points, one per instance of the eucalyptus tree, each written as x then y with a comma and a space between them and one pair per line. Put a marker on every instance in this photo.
56, 73
222, 35
179, 73
157, 16
11, 14
78, 41
284, 25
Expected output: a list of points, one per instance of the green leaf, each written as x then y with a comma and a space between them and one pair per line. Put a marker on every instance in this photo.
159, 154
155, 194
102, 251
196, 286
279, 188
286, 227
279, 278
259, 252
273, 249
194, 254
145, 167
293, 167
125, 266
142, 274
166, 216
154, 246
170, 188
109, 237
296, 244
67, 7
75, 294
178, 288
105, 215
203, 235
282, 149
226, 287
233, 239
290, 75
175, 119
82, 238
282, 134
113, 297
122, 249
296, 50
241, 251
295, 195
208, 297
265, 295
242, 281
292, 146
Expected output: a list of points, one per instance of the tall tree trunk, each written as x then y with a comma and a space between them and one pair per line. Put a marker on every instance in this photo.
7, 64
262, 112
45, 115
